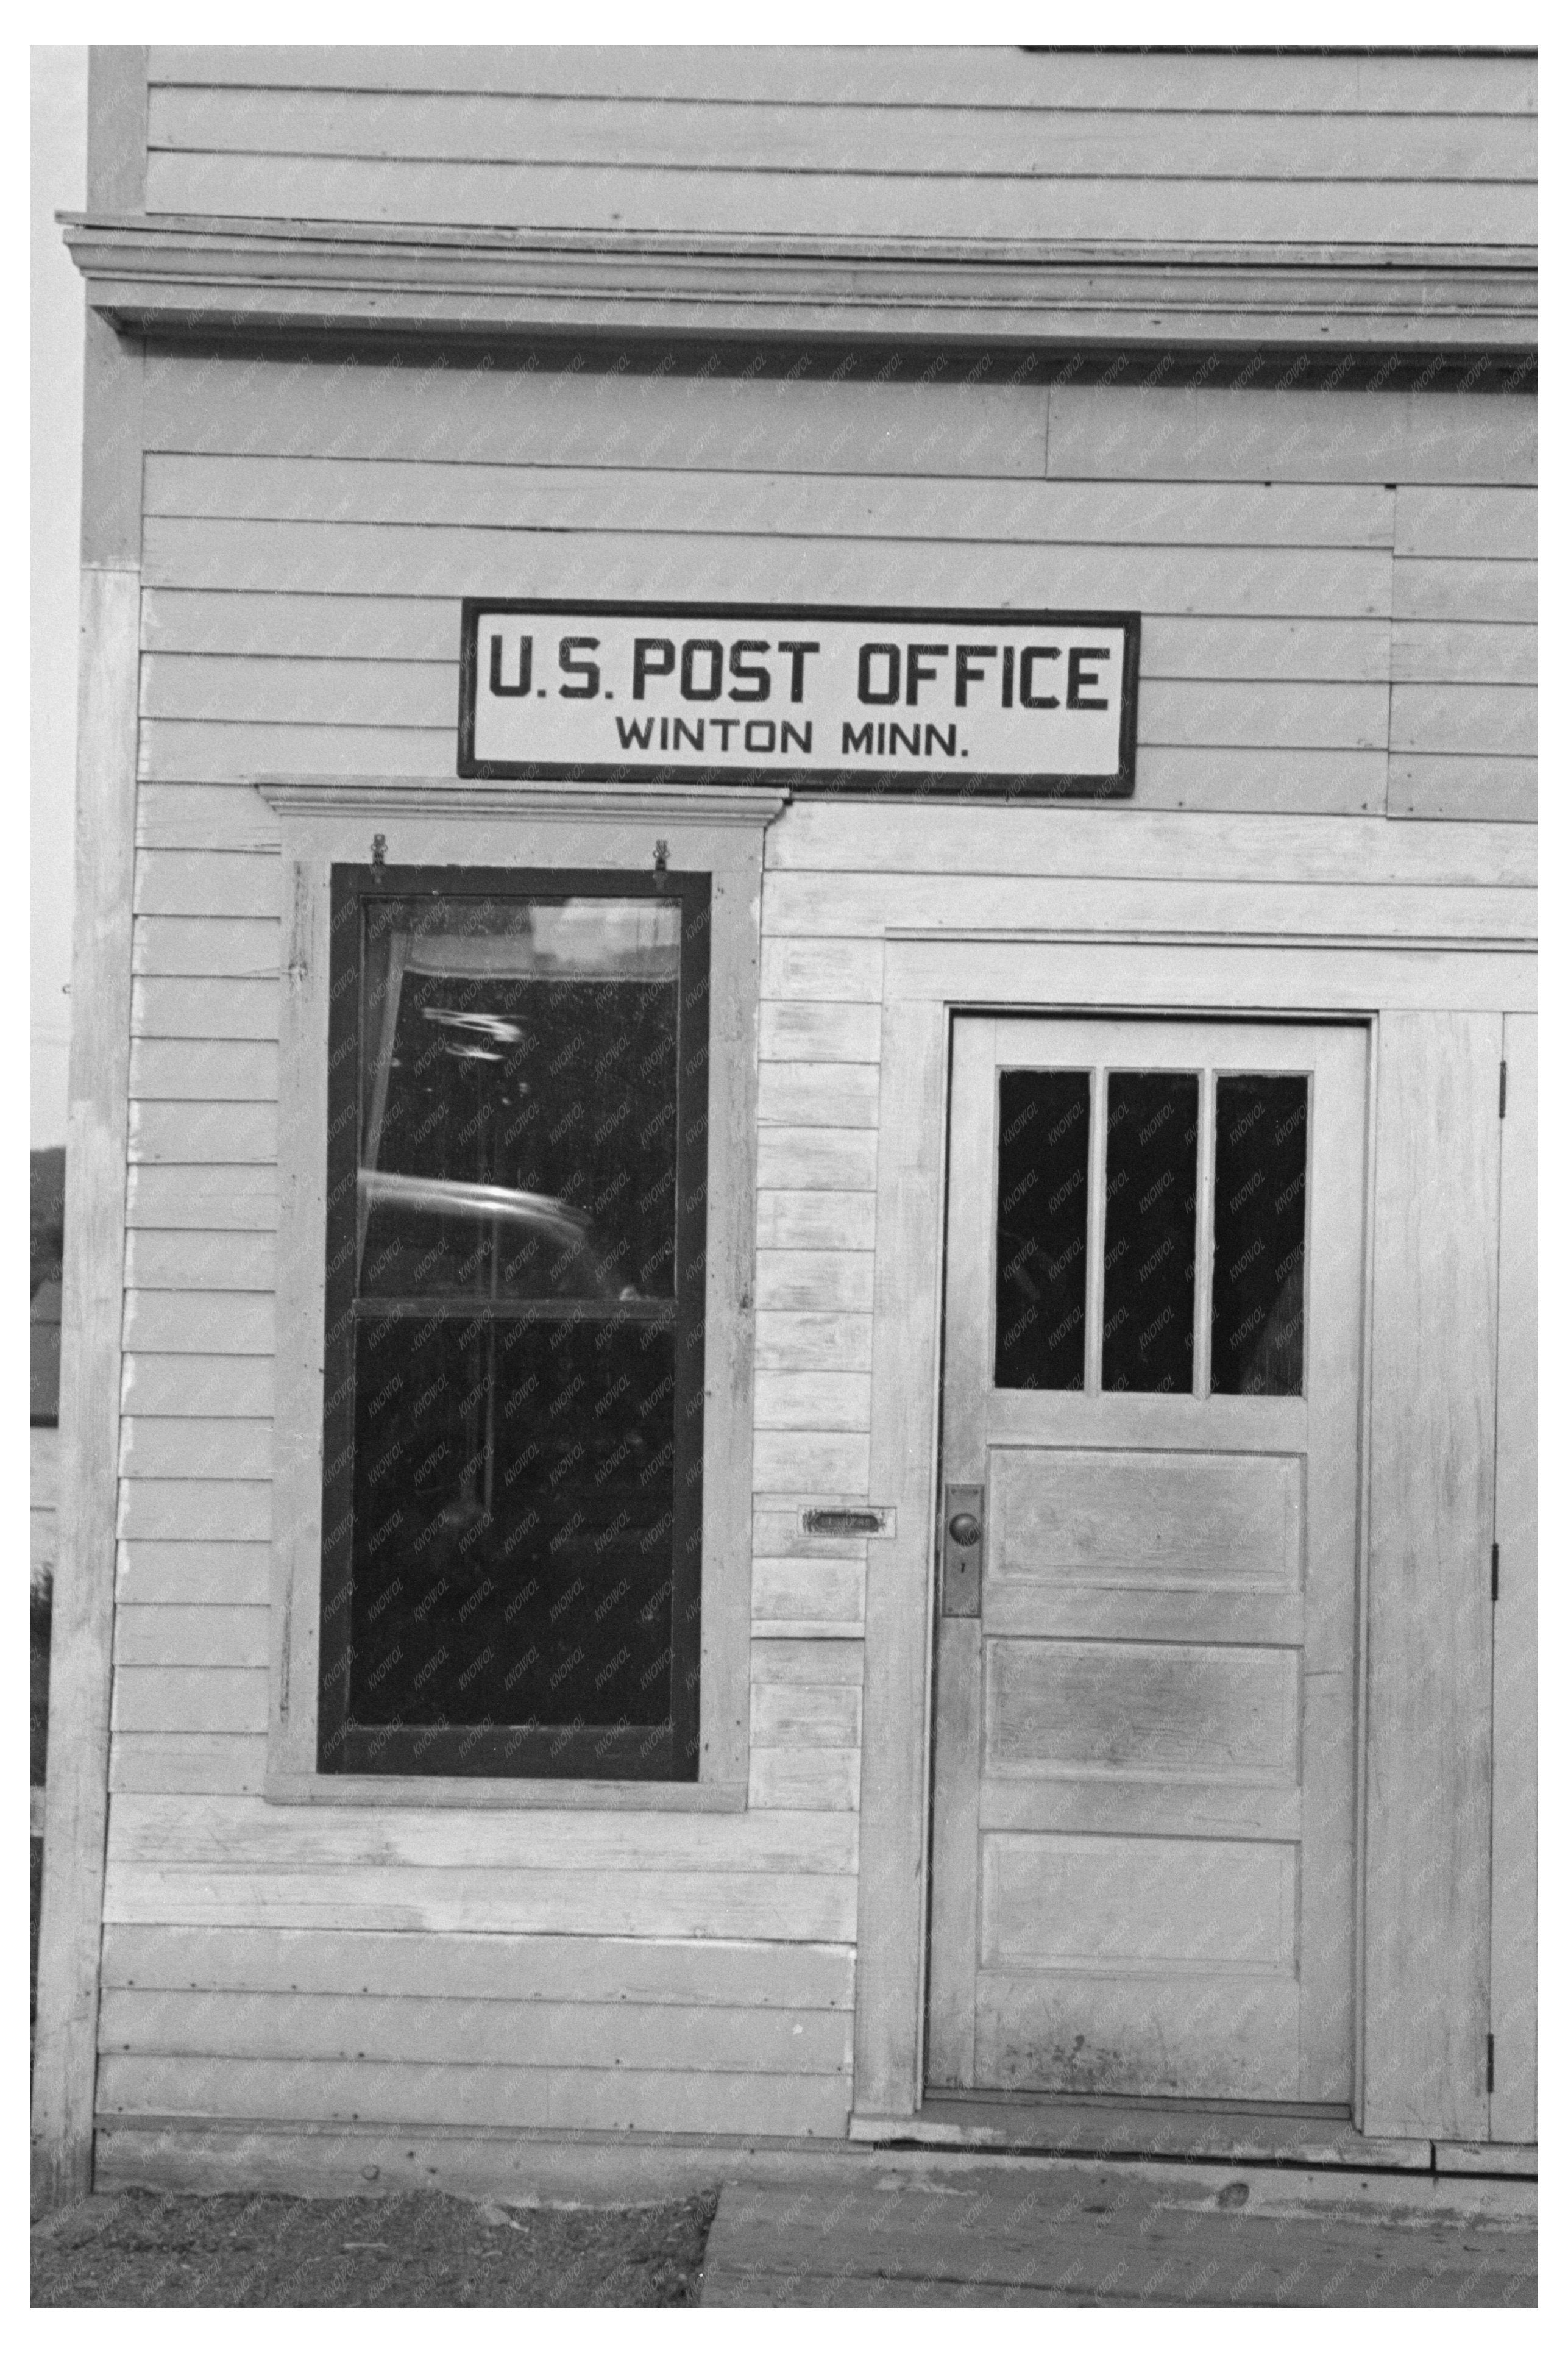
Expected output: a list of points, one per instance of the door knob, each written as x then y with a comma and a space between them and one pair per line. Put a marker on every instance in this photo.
964, 1529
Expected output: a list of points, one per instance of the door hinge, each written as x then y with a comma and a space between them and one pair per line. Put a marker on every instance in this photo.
1496, 1565
1491, 2048
1502, 1090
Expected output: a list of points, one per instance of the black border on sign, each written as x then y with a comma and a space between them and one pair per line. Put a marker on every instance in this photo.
840, 783
665, 1752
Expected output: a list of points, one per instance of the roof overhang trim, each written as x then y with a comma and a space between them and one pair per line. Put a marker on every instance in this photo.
188, 276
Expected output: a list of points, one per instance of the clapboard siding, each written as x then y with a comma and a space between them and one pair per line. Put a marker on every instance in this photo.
946, 140
187, 1260
995, 145
788, 1906
235, 1197
181, 1446
205, 946
394, 632
192, 1574
817, 1281
1451, 653
177, 1635
187, 1070
804, 424
823, 1462
204, 882
579, 2099
200, 1322
1134, 844
445, 2029
186, 1132
241, 1387
1332, 783
805, 902
185, 1009
605, 500
189, 1699
1444, 784
806, 559
197, 1508
634, 419
1463, 747
162, 1763
1170, 433
423, 696
1268, 83
782, 202
1456, 589
819, 1777
799, 1593
813, 1401
843, 1341
512, 1971
229, 1837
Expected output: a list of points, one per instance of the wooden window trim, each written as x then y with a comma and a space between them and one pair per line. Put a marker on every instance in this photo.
554, 1752
517, 837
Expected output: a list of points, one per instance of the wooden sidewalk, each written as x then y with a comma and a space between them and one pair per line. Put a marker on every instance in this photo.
1060, 2232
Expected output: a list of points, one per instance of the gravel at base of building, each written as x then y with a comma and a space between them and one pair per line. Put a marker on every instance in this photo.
144, 2247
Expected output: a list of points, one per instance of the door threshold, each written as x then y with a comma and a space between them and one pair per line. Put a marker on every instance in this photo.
1144, 2129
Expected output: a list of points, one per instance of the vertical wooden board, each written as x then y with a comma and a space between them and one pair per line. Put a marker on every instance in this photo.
1514, 1662
955, 1847
90, 1384
893, 1773
1429, 1634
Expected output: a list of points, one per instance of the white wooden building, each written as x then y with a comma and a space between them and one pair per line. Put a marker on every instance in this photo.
1040, 1261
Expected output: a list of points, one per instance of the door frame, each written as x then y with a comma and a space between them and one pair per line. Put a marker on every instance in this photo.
1312, 2010
929, 978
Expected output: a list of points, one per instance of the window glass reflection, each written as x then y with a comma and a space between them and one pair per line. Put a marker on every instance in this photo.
518, 1101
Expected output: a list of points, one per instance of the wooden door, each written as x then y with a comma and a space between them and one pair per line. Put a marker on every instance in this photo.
1142, 1840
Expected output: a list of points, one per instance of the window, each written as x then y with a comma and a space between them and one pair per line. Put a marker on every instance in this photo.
1130, 1156
515, 1225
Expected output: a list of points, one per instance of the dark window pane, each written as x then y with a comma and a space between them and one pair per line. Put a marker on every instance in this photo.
1151, 1205
517, 1134
1042, 1228
515, 1489
511, 1542
1259, 1235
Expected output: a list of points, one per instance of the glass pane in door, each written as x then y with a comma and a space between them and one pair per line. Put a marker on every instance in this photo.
1150, 1211
1259, 1235
1042, 1228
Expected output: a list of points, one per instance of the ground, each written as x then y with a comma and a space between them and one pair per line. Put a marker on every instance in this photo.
146, 2248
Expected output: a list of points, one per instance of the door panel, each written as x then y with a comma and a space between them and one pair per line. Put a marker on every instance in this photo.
1142, 1839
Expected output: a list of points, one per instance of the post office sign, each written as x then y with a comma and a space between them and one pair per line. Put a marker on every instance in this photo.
824, 698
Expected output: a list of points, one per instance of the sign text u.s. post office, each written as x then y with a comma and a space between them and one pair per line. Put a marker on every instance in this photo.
840, 698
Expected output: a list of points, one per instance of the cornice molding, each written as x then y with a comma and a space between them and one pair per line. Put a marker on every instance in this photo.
190, 276
754, 805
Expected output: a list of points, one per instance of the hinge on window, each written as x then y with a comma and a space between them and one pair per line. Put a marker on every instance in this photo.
1502, 1090
1490, 2052
1495, 1567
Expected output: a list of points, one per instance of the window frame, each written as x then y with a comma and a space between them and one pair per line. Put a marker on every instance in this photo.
562, 1752
517, 831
